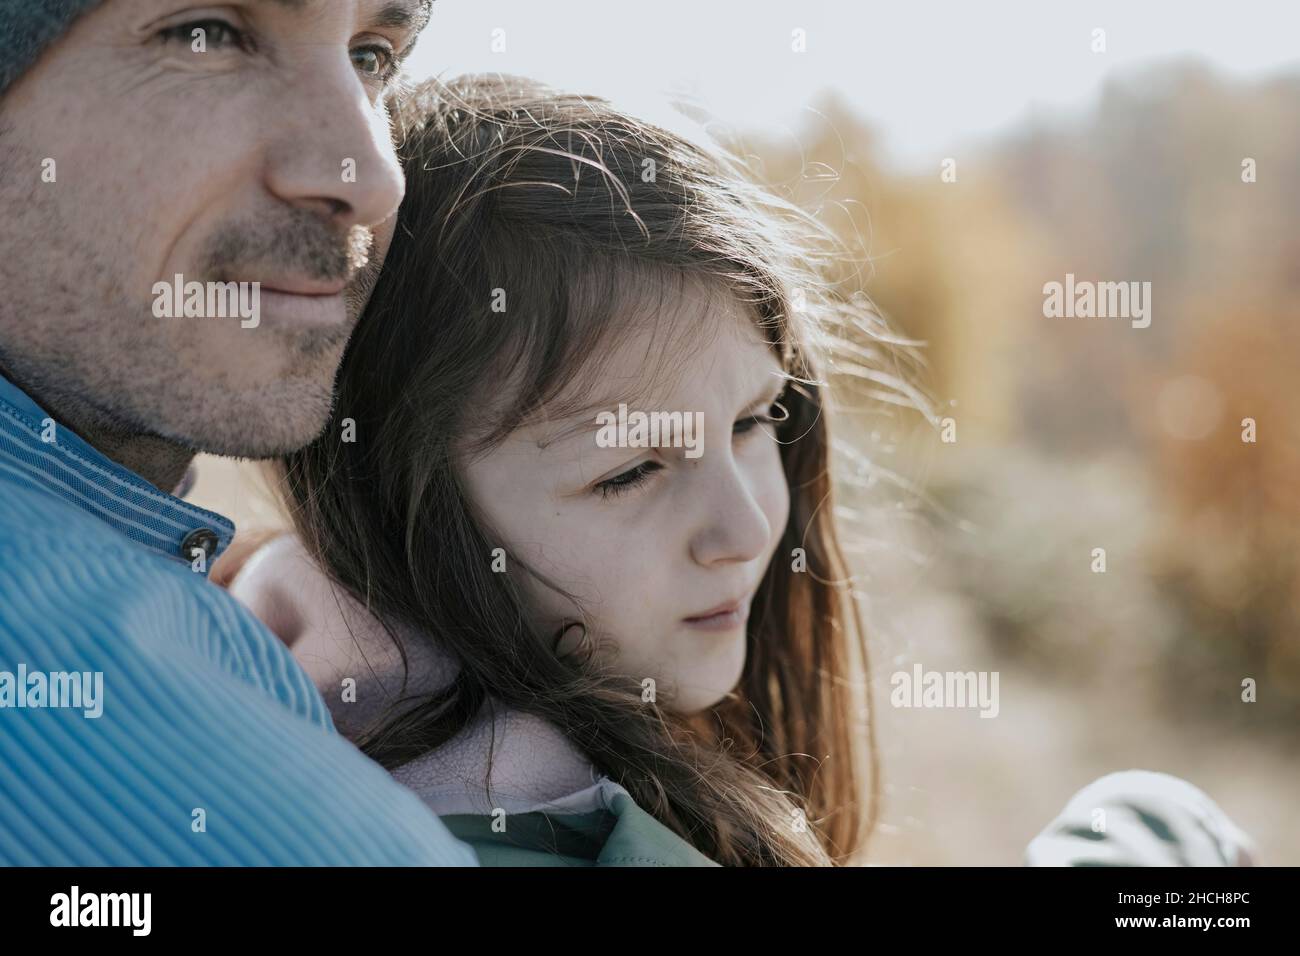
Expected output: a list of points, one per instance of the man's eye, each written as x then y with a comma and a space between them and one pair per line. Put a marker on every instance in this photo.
376, 62
213, 34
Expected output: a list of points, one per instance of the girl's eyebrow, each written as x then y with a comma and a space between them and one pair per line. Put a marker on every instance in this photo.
584, 420
768, 395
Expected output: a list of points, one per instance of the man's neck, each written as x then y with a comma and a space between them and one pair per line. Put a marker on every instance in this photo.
158, 460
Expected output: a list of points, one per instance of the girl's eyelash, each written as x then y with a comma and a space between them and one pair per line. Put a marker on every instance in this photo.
639, 474
747, 423
612, 487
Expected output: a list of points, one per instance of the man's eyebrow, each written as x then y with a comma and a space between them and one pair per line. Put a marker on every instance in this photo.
404, 14
408, 16
397, 14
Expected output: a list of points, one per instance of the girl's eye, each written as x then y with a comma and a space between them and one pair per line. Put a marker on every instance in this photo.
749, 424
376, 62
215, 34
628, 480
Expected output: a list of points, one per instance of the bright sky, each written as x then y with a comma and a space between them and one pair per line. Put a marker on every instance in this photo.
928, 75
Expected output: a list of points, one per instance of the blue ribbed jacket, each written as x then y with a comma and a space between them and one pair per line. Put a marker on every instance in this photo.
211, 747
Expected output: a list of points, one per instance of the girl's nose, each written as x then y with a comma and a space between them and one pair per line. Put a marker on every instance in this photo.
732, 528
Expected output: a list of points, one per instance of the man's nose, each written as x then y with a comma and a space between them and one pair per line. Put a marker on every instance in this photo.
333, 153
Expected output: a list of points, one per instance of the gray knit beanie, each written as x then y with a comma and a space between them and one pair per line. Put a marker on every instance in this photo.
27, 27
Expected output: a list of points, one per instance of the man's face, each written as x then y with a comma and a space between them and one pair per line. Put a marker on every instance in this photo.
237, 142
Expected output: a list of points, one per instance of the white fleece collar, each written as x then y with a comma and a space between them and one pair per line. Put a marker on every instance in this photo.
337, 641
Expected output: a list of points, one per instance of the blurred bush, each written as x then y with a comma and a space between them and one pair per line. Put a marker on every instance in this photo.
1074, 434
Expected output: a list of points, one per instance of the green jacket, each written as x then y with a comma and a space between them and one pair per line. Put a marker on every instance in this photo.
616, 833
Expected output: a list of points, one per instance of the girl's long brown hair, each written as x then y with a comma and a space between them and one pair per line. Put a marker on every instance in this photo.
566, 204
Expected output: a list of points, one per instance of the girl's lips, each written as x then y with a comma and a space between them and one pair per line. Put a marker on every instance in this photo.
726, 617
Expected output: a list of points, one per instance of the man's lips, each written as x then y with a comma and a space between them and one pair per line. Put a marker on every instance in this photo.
305, 303
308, 287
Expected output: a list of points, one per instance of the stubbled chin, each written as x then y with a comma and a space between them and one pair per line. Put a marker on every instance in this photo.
251, 429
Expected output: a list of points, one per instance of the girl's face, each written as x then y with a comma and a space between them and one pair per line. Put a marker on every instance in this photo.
663, 547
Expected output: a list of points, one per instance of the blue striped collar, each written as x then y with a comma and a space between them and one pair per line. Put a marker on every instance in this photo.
37, 453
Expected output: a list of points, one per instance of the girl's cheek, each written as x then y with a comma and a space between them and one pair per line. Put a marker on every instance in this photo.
588, 556
778, 516
772, 492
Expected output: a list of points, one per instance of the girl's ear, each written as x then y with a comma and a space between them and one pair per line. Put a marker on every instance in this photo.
575, 642
230, 563
270, 578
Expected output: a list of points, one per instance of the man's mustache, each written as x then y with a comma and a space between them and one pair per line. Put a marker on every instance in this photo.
300, 246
